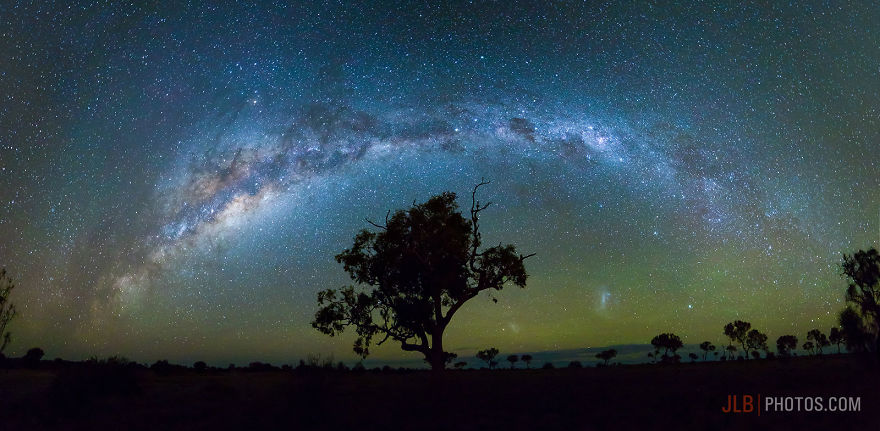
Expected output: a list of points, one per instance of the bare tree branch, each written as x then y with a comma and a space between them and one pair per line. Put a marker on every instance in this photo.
385, 226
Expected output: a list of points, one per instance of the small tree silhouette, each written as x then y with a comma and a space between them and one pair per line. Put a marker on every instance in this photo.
819, 340
738, 331
756, 340
785, 344
809, 347
606, 355
548, 366
7, 308
693, 356
512, 359
200, 366
459, 365
527, 359
837, 337
731, 351
575, 364
669, 342
488, 356
706, 347
32, 358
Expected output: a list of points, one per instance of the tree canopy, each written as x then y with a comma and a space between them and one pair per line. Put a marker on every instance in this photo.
7, 308
488, 356
860, 320
738, 331
819, 339
413, 274
756, 340
606, 355
785, 344
706, 347
669, 343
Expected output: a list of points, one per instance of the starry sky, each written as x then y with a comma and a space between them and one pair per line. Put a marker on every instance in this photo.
175, 179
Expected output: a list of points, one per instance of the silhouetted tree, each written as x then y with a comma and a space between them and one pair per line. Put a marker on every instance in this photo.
819, 340
756, 340
738, 331
606, 355
853, 327
731, 350
488, 355
7, 308
706, 347
693, 357
785, 344
575, 364
459, 365
200, 366
669, 343
416, 272
860, 320
317, 361
809, 347
837, 337
32, 358
527, 359
512, 359
548, 366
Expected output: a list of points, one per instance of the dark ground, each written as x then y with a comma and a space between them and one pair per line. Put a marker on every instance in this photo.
651, 397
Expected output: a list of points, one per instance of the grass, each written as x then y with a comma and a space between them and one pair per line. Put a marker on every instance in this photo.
684, 396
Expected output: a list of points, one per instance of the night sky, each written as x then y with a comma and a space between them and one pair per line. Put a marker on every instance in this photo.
175, 180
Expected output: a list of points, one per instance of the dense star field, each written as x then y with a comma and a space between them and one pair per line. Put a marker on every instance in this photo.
175, 180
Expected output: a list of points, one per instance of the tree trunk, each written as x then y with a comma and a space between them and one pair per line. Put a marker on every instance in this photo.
438, 359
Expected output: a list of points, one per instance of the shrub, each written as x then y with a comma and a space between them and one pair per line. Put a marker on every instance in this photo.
32, 358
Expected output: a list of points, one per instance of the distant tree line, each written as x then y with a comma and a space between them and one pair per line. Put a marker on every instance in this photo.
750, 341
423, 264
